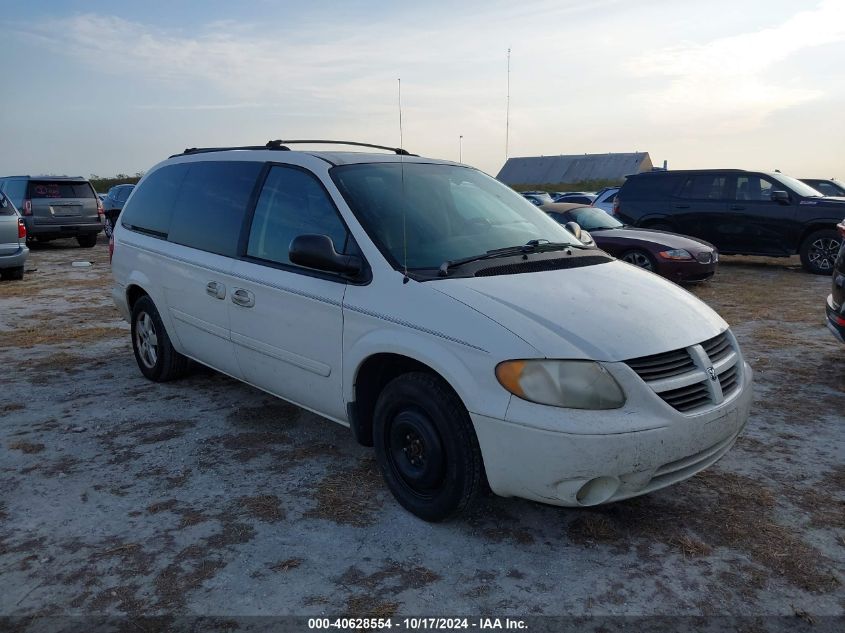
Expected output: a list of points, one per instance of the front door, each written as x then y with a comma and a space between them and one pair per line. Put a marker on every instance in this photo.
287, 321
763, 226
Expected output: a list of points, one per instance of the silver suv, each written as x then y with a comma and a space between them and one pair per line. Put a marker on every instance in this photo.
55, 207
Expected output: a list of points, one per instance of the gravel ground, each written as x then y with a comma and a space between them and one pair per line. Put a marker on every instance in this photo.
206, 496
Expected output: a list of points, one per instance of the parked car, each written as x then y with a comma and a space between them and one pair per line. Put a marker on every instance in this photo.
55, 207
604, 199
13, 250
576, 198
447, 321
115, 200
826, 187
836, 299
676, 257
537, 197
740, 212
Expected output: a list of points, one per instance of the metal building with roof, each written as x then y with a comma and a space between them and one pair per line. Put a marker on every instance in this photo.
574, 168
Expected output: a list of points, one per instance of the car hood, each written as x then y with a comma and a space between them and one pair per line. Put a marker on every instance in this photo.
608, 312
671, 240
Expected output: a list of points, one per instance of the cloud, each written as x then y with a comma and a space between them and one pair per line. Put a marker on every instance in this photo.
732, 82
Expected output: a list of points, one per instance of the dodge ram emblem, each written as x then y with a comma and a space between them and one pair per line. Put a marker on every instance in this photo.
712, 373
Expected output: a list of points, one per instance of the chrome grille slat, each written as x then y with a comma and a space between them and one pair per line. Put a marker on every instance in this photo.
694, 377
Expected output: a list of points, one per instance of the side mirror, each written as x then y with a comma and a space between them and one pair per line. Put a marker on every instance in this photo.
317, 251
781, 197
574, 228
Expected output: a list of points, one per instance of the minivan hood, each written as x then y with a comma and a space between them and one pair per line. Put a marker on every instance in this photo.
608, 312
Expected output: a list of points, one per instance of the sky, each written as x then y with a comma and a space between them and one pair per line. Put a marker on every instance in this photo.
115, 87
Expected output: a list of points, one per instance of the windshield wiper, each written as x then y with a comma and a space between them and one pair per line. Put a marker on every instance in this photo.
531, 246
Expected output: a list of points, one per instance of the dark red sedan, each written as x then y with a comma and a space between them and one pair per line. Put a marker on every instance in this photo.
677, 257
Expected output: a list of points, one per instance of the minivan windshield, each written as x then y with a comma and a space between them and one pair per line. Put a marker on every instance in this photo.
801, 188
427, 214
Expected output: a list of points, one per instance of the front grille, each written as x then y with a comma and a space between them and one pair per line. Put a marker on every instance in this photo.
688, 398
729, 380
661, 366
717, 347
693, 378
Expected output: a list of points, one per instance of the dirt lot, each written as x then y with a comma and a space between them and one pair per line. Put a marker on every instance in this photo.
120, 496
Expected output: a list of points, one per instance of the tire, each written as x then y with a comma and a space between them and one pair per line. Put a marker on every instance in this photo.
639, 258
426, 447
87, 241
154, 353
12, 274
819, 250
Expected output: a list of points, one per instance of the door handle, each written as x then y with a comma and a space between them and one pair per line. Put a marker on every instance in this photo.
243, 298
216, 290
682, 206
737, 207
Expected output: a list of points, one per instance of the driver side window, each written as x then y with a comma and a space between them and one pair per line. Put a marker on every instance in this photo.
754, 189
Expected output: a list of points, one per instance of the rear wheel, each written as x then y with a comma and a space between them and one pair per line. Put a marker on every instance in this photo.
426, 446
819, 250
156, 357
87, 241
639, 258
12, 273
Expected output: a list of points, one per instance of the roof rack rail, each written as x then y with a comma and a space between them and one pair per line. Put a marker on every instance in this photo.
282, 146
395, 150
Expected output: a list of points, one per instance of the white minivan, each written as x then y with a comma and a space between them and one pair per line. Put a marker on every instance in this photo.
446, 320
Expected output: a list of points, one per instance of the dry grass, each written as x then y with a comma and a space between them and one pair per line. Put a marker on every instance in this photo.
264, 507
351, 497
30, 336
286, 565
26, 447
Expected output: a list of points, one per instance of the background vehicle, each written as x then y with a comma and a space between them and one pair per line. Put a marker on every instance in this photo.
55, 207
835, 306
114, 201
740, 212
576, 197
13, 250
604, 199
676, 257
826, 187
537, 197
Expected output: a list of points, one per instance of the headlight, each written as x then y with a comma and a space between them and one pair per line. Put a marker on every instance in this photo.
677, 253
575, 384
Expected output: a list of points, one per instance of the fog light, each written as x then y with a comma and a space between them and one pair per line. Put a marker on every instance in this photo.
597, 491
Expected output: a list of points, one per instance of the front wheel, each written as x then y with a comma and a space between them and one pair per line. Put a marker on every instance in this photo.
638, 258
426, 447
819, 250
156, 357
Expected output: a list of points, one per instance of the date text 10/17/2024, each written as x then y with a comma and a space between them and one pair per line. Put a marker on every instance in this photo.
418, 624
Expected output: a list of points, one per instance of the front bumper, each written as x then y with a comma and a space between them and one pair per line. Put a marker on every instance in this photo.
835, 319
16, 259
644, 446
686, 271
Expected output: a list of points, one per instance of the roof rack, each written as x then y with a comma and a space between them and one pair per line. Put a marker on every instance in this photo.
282, 146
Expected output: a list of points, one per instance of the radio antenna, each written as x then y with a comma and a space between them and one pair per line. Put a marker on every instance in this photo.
404, 204
508, 107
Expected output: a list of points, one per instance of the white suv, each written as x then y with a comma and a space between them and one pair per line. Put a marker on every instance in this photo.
436, 312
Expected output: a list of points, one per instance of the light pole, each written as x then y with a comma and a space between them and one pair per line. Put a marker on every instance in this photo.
461, 148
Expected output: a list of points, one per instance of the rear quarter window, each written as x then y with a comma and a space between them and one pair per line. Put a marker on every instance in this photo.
211, 205
15, 189
660, 185
151, 208
6, 207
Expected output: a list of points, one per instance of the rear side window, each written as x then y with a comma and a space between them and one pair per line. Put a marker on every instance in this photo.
15, 189
60, 189
661, 185
151, 209
292, 203
704, 187
211, 205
